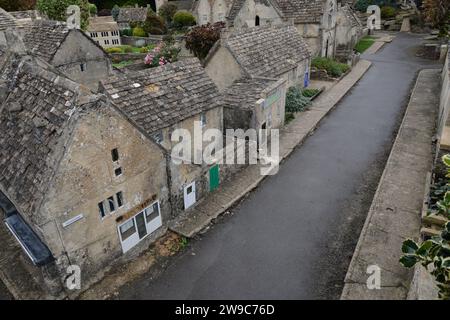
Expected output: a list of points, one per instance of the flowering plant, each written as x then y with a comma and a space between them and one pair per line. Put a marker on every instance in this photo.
160, 55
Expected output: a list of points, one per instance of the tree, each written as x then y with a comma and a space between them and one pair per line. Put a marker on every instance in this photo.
17, 5
183, 19
115, 12
154, 24
437, 13
201, 38
56, 9
167, 11
92, 9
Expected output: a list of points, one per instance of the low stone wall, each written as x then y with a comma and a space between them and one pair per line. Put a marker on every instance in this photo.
140, 41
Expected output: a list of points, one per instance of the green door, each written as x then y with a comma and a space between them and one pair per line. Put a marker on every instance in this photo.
214, 178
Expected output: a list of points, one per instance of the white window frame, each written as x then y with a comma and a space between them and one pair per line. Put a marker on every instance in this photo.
151, 227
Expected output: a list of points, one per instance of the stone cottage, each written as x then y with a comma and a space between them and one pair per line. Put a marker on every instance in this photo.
130, 15
88, 185
349, 30
175, 96
315, 20
72, 52
211, 11
104, 31
277, 52
257, 103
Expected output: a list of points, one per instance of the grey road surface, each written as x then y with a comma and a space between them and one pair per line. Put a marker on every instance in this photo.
293, 237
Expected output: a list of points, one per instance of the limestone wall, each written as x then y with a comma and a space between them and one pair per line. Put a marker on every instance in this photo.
444, 106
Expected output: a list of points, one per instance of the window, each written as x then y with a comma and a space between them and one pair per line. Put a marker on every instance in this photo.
203, 120
152, 212
101, 210
83, 67
257, 21
112, 204
115, 154
118, 171
127, 229
119, 196
106, 41
159, 138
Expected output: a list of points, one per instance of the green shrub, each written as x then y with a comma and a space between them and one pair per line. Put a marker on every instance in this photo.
295, 101
127, 48
332, 67
309, 93
114, 50
126, 32
183, 19
92, 9
139, 32
154, 24
167, 11
143, 50
388, 12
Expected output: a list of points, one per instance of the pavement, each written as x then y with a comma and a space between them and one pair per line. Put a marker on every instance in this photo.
293, 237
396, 209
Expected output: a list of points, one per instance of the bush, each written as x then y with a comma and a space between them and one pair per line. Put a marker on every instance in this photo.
92, 9
104, 12
332, 67
154, 24
167, 11
126, 32
388, 12
183, 19
56, 9
309, 93
139, 32
114, 50
295, 101
162, 54
127, 49
143, 50
201, 38
115, 12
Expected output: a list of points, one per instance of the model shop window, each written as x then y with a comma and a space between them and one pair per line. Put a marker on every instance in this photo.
140, 226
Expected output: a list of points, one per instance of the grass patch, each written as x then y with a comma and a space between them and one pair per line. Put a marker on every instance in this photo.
130, 49
122, 64
310, 92
333, 68
364, 44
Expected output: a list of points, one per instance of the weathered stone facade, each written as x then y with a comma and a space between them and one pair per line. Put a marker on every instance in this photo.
104, 31
315, 20
276, 52
175, 96
58, 166
71, 51
257, 103
349, 30
211, 11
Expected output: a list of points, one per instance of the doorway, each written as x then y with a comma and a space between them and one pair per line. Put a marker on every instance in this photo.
214, 178
189, 195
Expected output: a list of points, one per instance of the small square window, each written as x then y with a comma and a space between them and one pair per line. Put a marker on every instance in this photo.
83, 67
118, 172
119, 196
115, 154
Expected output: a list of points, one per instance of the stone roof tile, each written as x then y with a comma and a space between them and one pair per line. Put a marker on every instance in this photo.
157, 98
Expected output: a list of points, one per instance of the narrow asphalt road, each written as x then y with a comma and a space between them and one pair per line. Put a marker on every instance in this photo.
293, 237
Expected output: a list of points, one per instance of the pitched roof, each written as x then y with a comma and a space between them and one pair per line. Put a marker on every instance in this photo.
43, 38
6, 20
132, 14
351, 16
99, 24
160, 97
302, 11
34, 129
245, 92
27, 14
269, 50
